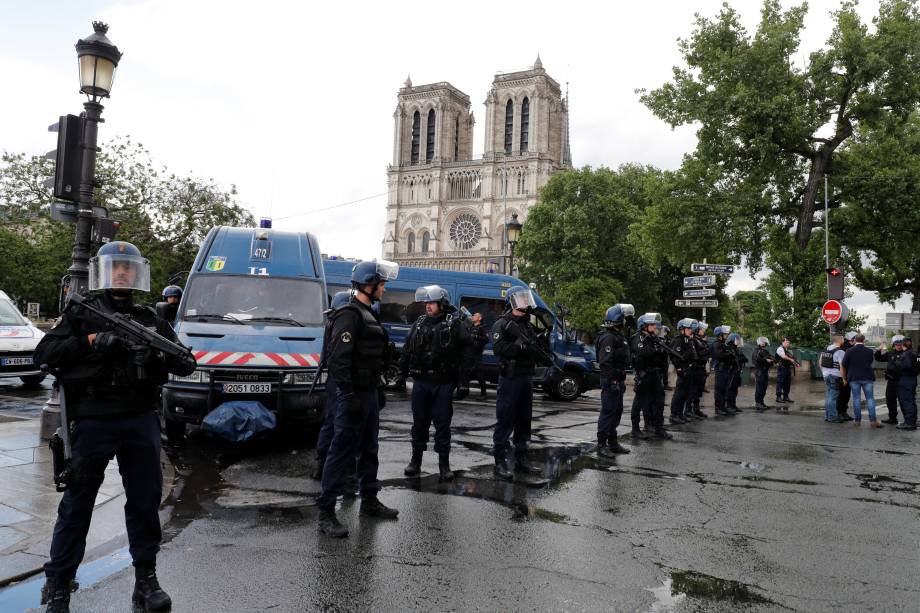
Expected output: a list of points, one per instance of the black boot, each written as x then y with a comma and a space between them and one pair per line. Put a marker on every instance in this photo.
602, 449
663, 434
638, 434
614, 445
374, 508
677, 420
147, 590
699, 413
56, 594
330, 526
414, 467
446, 474
523, 465
502, 470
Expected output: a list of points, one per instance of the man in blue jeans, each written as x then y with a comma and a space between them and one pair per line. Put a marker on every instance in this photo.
856, 369
830, 368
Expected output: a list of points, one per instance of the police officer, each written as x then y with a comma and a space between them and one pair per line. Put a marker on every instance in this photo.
668, 338
907, 385
684, 347
843, 398
723, 362
647, 353
734, 342
763, 361
358, 350
438, 355
892, 361
698, 371
339, 300
169, 308
515, 342
112, 392
785, 362
479, 335
613, 357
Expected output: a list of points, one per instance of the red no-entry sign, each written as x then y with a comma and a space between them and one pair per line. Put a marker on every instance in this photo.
833, 311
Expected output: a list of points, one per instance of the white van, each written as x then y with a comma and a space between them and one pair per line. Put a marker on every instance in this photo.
18, 338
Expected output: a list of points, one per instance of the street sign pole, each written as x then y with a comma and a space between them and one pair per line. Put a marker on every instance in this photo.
705, 261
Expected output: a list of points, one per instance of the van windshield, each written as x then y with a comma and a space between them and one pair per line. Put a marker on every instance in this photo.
9, 315
245, 299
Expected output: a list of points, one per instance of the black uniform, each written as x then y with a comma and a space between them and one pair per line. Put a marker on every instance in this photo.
907, 387
762, 363
649, 399
613, 357
479, 336
357, 356
735, 368
515, 343
892, 376
843, 396
112, 395
686, 347
438, 355
783, 374
698, 375
724, 361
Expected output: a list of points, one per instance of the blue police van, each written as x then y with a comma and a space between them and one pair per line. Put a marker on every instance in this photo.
252, 312
482, 293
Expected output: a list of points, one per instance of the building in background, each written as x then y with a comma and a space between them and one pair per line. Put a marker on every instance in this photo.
447, 208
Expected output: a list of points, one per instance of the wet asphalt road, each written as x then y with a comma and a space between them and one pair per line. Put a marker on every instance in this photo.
758, 512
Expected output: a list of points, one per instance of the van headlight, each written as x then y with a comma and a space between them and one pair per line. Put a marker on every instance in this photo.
303, 378
199, 376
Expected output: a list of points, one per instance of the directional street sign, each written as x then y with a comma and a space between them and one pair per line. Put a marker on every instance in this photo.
722, 269
902, 321
701, 281
699, 293
697, 303
64, 211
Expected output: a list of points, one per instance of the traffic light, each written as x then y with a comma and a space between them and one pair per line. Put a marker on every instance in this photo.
68, 158
835, 283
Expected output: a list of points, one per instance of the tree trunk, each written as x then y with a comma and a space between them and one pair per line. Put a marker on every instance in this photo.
815, 181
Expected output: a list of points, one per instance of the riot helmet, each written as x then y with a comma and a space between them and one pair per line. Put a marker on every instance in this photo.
687, 322
435, 293
373, 272
849, 336
521, 299
617, 314
897, 339
172, 291
339, 300
647, 319
665, 331
762, 341
720, 330
702, 327
119, 266
735, 339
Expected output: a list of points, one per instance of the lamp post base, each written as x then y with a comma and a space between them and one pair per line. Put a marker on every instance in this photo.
51, 416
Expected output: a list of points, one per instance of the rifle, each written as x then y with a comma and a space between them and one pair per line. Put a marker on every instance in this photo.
667, 348
61, 449
548, 356
139, 334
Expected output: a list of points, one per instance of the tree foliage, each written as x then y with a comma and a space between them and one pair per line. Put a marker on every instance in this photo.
166, 215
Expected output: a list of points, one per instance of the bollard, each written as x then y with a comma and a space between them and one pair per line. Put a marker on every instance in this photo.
51, 415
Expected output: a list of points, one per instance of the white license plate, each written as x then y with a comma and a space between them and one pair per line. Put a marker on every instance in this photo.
247, 388
16, 361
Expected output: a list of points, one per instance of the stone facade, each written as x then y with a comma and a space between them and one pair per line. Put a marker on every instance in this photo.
446, 208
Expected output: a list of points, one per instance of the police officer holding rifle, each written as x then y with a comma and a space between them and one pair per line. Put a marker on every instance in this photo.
110, 357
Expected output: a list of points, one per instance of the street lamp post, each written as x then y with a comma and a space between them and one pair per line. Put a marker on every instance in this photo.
513, 232
97, 58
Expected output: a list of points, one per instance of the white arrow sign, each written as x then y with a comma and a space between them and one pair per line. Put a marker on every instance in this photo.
699, 293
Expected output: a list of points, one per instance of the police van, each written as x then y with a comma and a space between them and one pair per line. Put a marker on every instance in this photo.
577, 370
252, 312
18, 339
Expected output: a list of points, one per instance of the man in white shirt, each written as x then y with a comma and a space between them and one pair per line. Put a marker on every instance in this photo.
785, 362
830, 367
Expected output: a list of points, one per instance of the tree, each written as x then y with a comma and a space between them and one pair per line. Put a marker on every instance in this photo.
576, 246
750, 313
769, 130
164, 214
878, 224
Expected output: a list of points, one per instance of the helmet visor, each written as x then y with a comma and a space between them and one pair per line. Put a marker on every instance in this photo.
430, 293
522, 300
628, 310
763, 340
119, 271
387, 270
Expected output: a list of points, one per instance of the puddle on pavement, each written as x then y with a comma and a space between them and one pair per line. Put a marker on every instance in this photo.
800, 453
682, 583
884, 483
27, 594
775, 480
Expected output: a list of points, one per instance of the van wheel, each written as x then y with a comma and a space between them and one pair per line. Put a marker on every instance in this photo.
175, 431
567, 386
32, 380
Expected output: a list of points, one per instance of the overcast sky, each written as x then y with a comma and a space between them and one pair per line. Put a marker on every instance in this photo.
293, 102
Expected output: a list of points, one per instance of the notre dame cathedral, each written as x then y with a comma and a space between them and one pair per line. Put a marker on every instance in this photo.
448, 208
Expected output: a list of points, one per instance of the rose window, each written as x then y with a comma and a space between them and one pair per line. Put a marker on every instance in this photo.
465, 231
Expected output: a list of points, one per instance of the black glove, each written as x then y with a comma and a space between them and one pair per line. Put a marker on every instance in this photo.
109, 342
188, 365
381, 398
463, 390
143, 355
352, 405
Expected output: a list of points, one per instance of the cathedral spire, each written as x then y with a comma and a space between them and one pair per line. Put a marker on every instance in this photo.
567, 153
538, 64
408, 82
